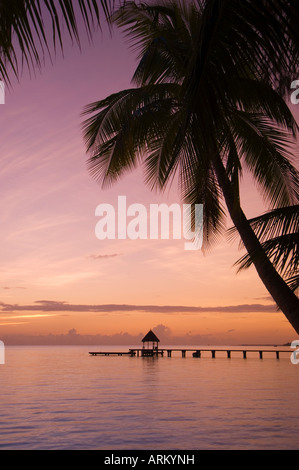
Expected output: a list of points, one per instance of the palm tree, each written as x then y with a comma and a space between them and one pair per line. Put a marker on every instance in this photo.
205, 103
278, 231
24, 36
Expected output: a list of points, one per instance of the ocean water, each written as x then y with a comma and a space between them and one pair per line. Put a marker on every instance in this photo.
59, 397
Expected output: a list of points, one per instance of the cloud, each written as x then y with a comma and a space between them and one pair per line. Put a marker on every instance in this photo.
11, 288
72, 337
72, 331
62, 306
162, 330
113, 255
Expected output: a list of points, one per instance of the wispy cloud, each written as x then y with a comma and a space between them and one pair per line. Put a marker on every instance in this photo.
12, 288
62, 306
113, 255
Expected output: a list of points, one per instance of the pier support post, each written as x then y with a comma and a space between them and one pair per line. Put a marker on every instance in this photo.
213, 354
197, 353
228, 354
277, 354
168, 352
261, 354
183, 353
244, 354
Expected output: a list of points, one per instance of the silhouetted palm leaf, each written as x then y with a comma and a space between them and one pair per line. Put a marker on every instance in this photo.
208, 103
24, 37
278, 231
243, 118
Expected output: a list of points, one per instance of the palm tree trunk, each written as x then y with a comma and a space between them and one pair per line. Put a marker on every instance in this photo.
284, 297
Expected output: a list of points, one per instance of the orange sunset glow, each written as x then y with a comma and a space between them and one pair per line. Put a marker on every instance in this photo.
57, 279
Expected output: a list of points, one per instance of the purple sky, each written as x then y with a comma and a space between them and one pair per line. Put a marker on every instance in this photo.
49, 250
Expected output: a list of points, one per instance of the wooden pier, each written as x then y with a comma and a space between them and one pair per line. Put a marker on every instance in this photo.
112, 353
196, 352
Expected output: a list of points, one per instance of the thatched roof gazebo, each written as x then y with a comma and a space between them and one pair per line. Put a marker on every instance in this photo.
151, 340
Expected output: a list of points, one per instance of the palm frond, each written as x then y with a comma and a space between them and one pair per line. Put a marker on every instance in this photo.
281, 221
293, 282
266, 150
24, 37
126, 125
278, 231
162, 35
283, 252
215, 53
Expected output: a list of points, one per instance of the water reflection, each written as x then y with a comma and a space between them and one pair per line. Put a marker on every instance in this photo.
62, 398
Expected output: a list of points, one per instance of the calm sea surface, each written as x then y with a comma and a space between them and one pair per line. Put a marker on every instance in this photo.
62, 398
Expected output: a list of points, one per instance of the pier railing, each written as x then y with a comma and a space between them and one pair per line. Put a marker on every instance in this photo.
196, 352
